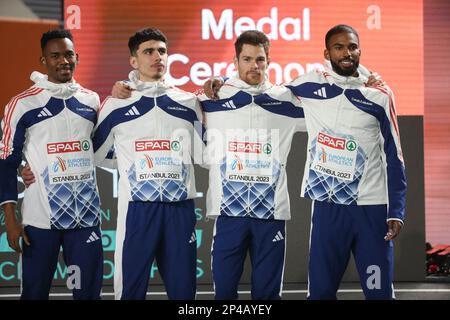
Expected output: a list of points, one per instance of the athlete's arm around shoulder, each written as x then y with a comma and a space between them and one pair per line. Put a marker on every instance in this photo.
199, 135
103, 139
90, 98
315, 75
191, 101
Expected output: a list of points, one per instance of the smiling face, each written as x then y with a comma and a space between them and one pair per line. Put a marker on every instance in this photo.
60, 59
252, 64
150, 60
343, 52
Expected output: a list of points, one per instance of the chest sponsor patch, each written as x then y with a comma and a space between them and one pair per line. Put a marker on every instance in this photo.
335, 156
249, 161
70, 161
158, 159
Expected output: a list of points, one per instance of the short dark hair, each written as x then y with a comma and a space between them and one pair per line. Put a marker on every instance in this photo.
254, 38
55, 34
144, 35
339, 29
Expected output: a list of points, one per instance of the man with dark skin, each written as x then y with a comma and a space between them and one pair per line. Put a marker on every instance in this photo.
51, 124
357, 208
60, 60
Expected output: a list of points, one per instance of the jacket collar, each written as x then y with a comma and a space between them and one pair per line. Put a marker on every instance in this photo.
57, 90
149, 87
253, 89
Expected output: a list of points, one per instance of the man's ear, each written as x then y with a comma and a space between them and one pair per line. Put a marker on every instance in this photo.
133, 62
326, 54
42, 61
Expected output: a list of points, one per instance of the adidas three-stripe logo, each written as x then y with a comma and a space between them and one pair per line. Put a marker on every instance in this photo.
321, 92
44, 113
193, 238
278, 237
93, 237
132, 112
229, 105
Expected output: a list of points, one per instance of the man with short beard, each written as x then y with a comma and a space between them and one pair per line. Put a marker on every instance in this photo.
249, 133
354, 171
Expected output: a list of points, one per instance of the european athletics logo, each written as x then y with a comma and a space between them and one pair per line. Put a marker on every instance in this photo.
323, 155
59, 164
147, 162
237, 163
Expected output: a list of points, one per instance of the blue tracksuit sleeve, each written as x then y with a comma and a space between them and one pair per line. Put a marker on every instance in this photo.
396, 178
300, 113
8, 180
199, 136
103, 139
11, 146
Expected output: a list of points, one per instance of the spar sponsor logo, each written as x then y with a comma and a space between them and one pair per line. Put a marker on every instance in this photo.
175, 145
68, 146
332, 142
152, 145
245, 147
85, 145
156, 145
350, 145
336, 143
267, 148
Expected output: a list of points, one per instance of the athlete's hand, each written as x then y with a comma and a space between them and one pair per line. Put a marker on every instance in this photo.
212, 86
375, 80
27, 176
121, 91
14, 231
394, 228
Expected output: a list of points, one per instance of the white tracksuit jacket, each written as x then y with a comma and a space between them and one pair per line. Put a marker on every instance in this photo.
249, 134
155, 134
52, 124
354, 151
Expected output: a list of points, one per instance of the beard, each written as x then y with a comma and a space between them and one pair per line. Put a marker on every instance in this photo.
347, 72
252, 79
